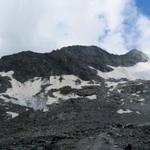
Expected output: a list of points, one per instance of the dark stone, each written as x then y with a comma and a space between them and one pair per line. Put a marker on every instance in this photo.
128, 147
66, 90
4, 84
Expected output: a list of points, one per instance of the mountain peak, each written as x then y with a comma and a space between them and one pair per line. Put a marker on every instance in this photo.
138, 55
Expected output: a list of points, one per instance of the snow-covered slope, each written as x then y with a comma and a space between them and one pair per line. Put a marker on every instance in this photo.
34, 93
139, 71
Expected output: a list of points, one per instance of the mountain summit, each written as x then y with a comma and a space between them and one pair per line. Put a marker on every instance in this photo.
139, 55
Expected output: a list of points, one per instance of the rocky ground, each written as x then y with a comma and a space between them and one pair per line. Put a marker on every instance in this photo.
117, 119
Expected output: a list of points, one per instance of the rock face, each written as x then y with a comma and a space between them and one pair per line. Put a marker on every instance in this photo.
68, 60
75, 98
4, 84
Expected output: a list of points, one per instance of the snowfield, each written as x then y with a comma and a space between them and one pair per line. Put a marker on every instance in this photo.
29, 93
139, 71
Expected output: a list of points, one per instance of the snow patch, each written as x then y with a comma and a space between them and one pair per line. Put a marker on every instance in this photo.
60, 96
12, 114
135, 94
8, 74
137, 112
121, 111
67, 80
92, 97
141, 100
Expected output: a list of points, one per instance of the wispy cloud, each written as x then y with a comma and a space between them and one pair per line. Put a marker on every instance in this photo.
43, 25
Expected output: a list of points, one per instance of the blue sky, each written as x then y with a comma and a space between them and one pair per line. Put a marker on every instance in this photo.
43, 25
144, 6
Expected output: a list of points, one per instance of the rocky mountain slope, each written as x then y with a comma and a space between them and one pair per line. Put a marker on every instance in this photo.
78, 97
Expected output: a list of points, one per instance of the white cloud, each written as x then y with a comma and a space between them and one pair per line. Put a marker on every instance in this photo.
143, 41
43, 25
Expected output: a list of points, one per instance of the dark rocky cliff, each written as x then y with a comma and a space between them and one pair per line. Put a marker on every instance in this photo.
68, 60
